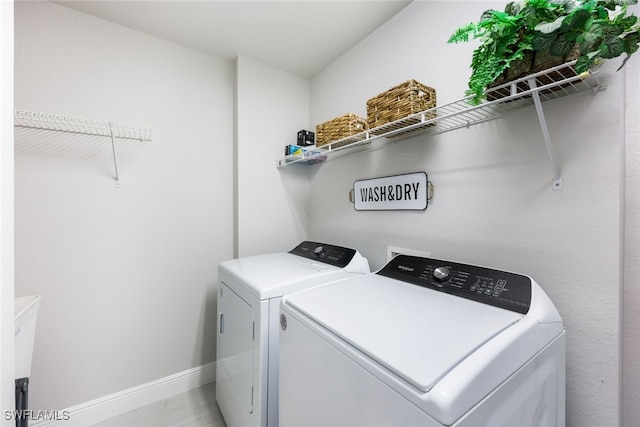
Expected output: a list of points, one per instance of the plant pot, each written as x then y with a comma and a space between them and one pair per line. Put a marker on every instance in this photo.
533, 62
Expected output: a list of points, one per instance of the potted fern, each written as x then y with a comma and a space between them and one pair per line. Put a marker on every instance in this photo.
532, 35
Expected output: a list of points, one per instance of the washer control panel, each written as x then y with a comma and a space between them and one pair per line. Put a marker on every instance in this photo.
494, 287
328, 254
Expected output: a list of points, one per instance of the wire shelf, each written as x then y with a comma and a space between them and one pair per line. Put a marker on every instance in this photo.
70, 124
82, 126
554, 83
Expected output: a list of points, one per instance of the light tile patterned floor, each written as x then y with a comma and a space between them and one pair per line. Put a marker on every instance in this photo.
195, 408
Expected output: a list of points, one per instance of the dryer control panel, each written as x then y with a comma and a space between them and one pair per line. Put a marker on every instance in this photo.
494, 287
328, 254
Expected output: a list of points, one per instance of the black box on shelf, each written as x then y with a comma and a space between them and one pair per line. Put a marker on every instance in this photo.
306, 138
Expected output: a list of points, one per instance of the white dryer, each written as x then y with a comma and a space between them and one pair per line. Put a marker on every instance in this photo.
423, 342
249, 297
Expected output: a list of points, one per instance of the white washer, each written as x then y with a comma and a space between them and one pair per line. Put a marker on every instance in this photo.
423, 342
249, 297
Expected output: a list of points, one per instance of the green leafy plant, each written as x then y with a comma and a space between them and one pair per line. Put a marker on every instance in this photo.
529, 30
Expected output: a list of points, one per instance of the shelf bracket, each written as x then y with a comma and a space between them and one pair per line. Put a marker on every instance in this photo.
115, 155
557, 178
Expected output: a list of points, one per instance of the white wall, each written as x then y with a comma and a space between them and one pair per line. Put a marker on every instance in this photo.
631, 296
493, 201
7, 389
272, 204
127, 274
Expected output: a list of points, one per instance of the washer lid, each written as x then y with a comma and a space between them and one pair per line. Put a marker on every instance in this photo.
417, 333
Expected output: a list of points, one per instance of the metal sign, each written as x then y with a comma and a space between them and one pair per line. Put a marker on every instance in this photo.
407, 192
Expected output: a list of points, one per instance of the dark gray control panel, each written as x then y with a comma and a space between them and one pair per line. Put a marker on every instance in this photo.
494, 287
328, 254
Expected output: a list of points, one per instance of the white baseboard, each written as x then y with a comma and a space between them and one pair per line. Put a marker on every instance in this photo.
97, 410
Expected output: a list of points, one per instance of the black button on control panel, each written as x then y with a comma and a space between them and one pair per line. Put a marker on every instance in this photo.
328, 254
494, 287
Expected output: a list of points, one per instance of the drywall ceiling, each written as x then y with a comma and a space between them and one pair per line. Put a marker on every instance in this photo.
298, 36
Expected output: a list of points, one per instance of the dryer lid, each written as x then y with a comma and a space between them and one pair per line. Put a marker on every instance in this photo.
271, 275
308, 264
417, 333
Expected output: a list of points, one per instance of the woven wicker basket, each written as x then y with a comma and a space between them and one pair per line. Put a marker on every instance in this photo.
338, 128
400, 101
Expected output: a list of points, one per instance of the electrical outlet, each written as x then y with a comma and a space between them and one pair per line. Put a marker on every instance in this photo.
396, 250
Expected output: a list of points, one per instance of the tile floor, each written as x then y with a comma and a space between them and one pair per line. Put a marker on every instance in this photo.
195, 408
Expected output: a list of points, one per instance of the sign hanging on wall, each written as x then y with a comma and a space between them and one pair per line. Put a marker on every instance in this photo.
408, 192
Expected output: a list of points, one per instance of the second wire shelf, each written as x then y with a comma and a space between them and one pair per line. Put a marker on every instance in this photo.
76, 125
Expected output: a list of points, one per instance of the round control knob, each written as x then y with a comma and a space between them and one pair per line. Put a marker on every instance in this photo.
319, 251
441, 273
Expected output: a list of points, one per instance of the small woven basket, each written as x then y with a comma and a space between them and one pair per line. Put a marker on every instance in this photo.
405, 99
338, 128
